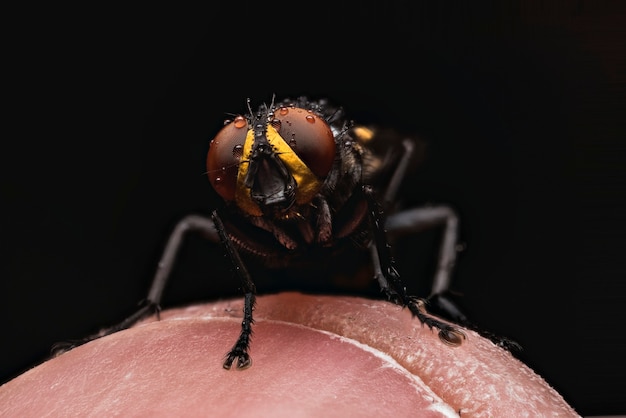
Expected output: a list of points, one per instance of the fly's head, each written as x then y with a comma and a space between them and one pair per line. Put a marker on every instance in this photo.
273, 161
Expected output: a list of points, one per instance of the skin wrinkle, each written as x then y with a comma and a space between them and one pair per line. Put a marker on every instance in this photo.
390, 363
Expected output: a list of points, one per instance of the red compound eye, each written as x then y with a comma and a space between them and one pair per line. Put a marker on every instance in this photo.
225, 152
309, 136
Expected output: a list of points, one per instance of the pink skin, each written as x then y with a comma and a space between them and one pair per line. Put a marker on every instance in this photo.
312, 356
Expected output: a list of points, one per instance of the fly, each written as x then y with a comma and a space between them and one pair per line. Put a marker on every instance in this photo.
301, 184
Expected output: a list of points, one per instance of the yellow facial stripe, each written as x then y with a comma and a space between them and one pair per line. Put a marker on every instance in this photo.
308, 183
242, 193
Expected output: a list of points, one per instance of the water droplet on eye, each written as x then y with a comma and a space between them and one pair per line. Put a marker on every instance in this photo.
310, 118
240, 122
283, 111
218, 180
237, 151
275, 124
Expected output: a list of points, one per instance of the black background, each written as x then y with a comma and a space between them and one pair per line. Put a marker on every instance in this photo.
110, 113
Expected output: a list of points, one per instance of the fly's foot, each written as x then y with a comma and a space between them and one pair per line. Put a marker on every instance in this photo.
508, 344
451, 336
243, 360
448, 334
63, 347
146, 308
502, 342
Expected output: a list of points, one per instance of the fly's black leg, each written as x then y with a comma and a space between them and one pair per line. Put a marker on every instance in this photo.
415, 220
239, 351
150, 305
399, 173
191, 223
391, 283
146, 309
419, 219
440, 299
